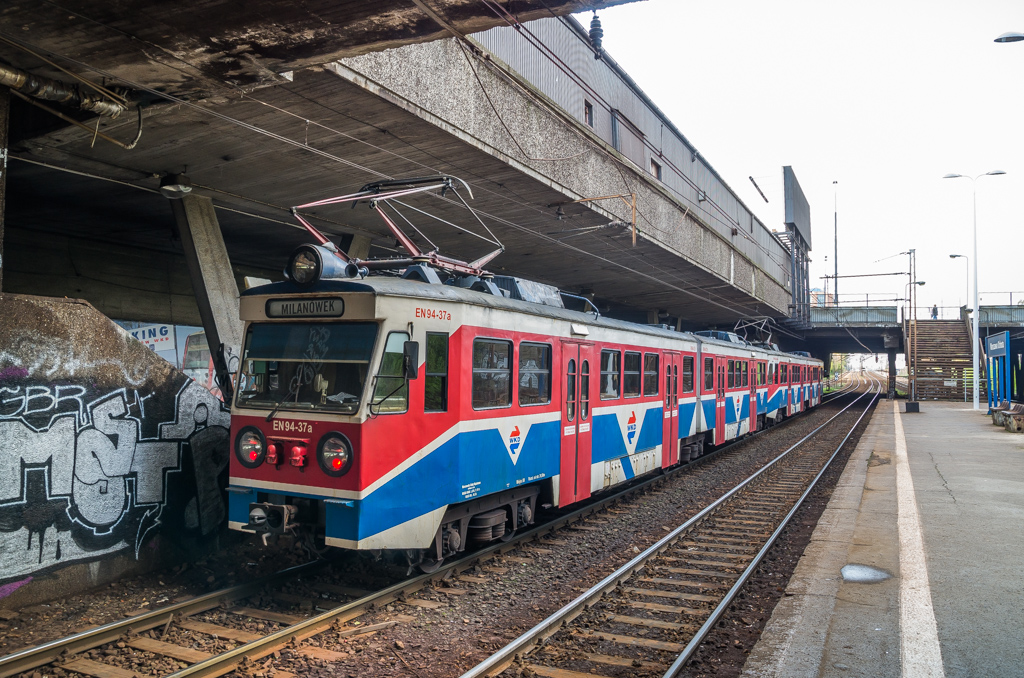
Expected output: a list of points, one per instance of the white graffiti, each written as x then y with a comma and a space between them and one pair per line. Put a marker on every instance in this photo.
80, 477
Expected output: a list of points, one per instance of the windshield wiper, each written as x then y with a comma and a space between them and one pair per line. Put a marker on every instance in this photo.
280, 404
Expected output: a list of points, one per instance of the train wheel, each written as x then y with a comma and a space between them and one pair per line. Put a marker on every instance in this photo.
429, 566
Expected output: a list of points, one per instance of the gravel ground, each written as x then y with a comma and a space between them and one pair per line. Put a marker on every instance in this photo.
444, 630
37, 624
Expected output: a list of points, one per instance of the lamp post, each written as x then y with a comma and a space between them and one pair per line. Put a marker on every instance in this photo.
911, 291
977, 314
967, 275
835, 240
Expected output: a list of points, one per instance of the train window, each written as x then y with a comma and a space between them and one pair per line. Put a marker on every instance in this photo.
668, 382
570, 391
306, 366
709, 374
610, 374
391, 392
584, 390
492, 373
746, 375
435, 380
650, 374
675, 381
534, 374
732, 374
784, 378
631, 375
760, 374
687, 374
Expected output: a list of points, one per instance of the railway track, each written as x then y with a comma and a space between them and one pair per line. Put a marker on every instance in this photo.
649, 616
241, 618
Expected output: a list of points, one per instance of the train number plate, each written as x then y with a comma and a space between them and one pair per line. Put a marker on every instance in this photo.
289, 426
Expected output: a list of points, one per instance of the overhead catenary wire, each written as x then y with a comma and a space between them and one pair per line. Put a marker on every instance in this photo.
259, 130
531, 38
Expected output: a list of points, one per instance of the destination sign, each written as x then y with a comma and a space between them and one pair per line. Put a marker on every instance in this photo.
306, 308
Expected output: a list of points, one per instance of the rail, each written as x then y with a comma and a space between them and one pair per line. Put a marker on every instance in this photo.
555, 622
64, 649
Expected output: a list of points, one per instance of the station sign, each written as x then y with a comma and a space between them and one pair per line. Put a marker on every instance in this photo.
156, 337
329, 307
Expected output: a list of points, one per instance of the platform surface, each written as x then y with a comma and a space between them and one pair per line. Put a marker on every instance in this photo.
936, 500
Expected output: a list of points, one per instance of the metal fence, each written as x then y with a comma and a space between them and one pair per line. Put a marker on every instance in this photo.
1002, 315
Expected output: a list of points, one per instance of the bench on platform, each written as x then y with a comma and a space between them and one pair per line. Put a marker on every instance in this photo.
1010, 416
998, 411
1014, 418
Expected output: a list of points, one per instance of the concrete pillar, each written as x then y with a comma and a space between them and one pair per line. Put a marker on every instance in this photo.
892, 373
5, 113
212, 281
355, 246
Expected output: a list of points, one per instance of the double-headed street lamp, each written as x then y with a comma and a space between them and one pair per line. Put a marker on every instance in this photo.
977, 312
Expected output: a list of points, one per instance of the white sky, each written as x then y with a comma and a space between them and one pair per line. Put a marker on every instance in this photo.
884, 97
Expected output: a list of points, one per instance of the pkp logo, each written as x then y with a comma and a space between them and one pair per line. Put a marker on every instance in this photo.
631, 427
515, 441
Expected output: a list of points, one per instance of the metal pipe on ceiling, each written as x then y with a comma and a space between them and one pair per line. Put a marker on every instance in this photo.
55, 90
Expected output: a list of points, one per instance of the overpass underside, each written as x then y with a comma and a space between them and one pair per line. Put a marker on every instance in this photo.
84, 217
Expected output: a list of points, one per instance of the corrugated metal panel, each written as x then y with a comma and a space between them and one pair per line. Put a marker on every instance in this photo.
685, 173
855, 315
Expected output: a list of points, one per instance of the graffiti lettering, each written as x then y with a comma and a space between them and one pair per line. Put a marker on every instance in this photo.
79, 477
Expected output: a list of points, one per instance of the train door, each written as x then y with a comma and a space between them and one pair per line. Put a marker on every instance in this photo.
721, 364
752, 409
670, 431
574, 468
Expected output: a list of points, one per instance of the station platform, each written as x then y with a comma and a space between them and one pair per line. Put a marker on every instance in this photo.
933, 504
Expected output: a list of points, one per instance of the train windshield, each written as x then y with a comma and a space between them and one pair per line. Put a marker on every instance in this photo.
306, 366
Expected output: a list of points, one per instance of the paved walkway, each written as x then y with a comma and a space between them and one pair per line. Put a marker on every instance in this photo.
935, 501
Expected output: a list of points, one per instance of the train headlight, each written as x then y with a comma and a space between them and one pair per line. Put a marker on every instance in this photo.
334, 454
305, 265
250, 447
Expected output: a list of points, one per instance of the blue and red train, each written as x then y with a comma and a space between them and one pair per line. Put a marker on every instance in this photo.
404, 414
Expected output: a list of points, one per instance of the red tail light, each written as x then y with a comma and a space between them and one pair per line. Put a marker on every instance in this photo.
298, 457
272, 453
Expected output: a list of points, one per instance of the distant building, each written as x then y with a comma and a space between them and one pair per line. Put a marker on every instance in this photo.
820, 298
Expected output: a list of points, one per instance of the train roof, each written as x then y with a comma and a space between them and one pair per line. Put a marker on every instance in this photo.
399, 287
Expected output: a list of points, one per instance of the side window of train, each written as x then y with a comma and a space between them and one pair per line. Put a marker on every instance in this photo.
391, 392
584, 390
732, 374
631, 375
534, 374
610, 365
492, 373
709, 374
785, 374
687, 374
650, 374
435, 383
744, 369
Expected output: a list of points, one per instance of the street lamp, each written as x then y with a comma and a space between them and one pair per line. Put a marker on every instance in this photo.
967, 275
977, 313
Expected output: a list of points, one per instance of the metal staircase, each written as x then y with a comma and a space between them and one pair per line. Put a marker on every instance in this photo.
943, 360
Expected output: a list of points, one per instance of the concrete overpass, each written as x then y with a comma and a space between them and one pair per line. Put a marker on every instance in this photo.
279, 105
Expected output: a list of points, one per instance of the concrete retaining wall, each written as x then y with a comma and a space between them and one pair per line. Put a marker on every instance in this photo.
110, 459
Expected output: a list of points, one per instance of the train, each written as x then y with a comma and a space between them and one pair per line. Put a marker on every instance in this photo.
406, 415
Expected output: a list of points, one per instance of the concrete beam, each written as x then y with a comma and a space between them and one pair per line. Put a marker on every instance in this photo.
5, 113
123, 283
212, 281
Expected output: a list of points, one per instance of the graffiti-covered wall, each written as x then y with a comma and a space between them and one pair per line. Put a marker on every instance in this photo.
104, 446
